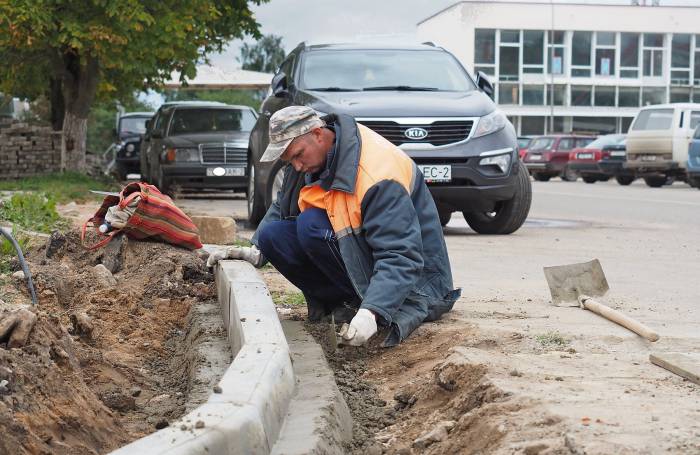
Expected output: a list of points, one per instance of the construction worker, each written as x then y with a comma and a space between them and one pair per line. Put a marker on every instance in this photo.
354, 227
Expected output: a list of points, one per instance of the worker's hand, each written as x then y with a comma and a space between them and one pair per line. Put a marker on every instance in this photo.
362, 327
249, 254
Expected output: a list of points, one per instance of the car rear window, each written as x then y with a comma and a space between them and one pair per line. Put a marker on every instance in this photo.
523, 142
541, 143
607, 141
653, 119
189, 121
362, 69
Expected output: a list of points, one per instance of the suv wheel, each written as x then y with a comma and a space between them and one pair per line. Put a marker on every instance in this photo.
277, 181
256, 206
624, 180
655, 181
507, 216
541, 177
589, 179
162, 183
445, 216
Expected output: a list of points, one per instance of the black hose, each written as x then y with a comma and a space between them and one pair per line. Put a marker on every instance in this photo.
22, 262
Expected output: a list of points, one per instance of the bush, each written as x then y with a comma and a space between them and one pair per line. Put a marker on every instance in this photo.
32, 211
8, 252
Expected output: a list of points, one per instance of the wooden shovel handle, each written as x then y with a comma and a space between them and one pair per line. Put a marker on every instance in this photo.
618, 318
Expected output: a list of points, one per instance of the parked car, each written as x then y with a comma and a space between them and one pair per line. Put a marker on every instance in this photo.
601, 159
548, 156
197, 145
523, 143
421, 99
124, 153
658, 141
694, 160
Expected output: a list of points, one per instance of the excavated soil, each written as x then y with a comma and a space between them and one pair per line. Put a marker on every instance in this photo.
106, 363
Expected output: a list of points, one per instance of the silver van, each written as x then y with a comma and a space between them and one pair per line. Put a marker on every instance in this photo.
658, 140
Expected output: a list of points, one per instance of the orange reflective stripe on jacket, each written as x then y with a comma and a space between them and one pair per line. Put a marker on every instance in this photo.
379, 160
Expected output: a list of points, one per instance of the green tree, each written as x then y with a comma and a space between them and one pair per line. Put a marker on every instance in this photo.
265, 55
106, 49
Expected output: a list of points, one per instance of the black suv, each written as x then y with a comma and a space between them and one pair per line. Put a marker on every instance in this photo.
197, 144
124, 153
419, 98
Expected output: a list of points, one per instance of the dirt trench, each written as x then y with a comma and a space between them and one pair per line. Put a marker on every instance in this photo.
107, 361
419, 398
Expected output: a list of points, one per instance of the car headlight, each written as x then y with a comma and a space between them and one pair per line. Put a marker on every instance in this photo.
186, 155
130, 147
490, 123
502, 161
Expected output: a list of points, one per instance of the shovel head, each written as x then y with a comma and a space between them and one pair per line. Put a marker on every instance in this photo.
567, 282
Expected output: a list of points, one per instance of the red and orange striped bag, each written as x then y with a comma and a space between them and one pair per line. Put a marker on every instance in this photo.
155, 217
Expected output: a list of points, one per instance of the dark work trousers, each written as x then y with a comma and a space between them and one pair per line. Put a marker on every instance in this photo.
306, 252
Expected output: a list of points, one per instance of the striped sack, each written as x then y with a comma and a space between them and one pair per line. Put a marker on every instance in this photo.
156, 217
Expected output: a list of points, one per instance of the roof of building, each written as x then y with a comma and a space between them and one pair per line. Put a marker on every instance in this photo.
211, 77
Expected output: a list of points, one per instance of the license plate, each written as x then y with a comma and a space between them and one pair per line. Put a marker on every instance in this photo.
584, 156
436, 172
225, 171
535, 157
648, 157
618, 153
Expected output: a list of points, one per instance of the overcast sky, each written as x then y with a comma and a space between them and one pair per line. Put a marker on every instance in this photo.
378, 20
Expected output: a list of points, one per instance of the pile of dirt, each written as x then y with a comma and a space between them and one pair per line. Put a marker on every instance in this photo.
105, 362
418, 398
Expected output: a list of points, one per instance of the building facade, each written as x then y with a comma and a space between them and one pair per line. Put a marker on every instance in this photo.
574, 67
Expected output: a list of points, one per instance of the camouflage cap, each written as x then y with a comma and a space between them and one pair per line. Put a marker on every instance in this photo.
286, 125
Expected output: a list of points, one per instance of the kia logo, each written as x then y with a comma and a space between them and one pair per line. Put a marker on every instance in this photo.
416, 133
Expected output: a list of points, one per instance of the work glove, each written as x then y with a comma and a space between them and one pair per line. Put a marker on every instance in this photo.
249, 254
362, 327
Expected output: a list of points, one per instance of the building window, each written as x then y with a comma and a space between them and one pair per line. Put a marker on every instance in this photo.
600, 125
680, 94
680, 59
629, 55
533, 51
509, 56
555, 52
531, 125
605, 53
581, 95
490, 70
533, 95
485, 47
628, 97
653, 95
625, 123
508, 94
653, 54
556, 124
581, 54
556, 95
604, 96
696, 72
696, 95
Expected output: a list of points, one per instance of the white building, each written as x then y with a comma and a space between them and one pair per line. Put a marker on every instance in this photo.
583, 67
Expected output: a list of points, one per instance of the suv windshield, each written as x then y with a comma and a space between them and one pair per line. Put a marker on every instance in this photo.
132, 125
362, 69
541, 143
653, 119
189, 121
607, 141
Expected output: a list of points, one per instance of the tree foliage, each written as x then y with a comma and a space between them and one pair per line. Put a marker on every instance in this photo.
106, 49
265, 55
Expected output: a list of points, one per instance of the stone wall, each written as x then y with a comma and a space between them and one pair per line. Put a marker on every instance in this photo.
27, 150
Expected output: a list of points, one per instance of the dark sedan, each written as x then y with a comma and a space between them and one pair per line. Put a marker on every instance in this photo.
198, 145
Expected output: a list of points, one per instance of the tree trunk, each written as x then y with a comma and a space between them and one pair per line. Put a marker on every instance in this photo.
73, 142
58, 108
80, 77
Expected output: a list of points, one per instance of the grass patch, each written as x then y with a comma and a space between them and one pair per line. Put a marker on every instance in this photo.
288, 298
7, 251
552, 340
62, 187
242, 242
32, 211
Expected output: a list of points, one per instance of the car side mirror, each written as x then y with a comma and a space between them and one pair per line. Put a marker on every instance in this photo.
279, 85
484, 84
148, 124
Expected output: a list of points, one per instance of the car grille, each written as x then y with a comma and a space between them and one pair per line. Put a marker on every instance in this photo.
442, 132
223, 154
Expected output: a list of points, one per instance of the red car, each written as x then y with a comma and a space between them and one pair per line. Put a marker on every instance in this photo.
548, 156
602, 159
